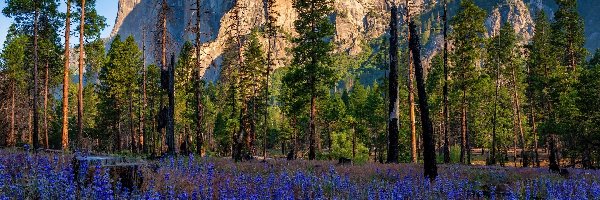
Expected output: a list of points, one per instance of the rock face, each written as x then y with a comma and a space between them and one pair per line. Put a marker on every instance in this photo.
356, 21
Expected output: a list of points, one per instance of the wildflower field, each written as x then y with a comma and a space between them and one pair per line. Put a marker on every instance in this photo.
52, 176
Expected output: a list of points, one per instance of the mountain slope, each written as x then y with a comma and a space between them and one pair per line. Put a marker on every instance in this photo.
356, 21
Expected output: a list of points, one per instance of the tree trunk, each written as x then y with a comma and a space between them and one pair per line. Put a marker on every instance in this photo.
131, 126
353, 142
430, 168
446, 112
36, 142
554, 166
312, 154
535, 138
411, 94
12, 135
66, 81
171, 109
492, 160
80, 90
463, 130
392, 155
144, 97
200, 108
46, 107
518, 117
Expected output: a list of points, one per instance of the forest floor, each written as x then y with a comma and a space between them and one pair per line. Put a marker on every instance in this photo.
25, 175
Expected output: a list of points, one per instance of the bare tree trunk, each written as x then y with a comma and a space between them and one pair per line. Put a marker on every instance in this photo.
46, 107
66, 81
171, 109
270, 33
131, 126
554, 166
144, 97
12, 135
535, 138
80, 90
353, 142
463, 144
518, 117
393, 126
430, 168
446, 112
312, 154
492, 160
26, 137
200, 107
411, 95
35, 142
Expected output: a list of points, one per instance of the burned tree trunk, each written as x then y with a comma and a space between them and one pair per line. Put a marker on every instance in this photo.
171, 108
392, 156
430, 168
553, 166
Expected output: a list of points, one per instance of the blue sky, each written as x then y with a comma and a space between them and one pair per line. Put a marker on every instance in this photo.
106, 8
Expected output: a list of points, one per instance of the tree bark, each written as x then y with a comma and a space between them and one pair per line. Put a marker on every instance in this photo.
12, 135
411, 94
312, 154
495, 117
66, 81
171, 109
144, 97
430, 168
131, 126
80, 90
270, 33
392, 154
554, 166
518, 117
46, 107
35, 142
200, 107
464, 135
446, 112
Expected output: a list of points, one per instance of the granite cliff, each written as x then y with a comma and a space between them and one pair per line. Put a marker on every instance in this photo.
355, 20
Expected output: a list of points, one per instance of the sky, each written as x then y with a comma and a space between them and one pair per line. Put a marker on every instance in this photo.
106, 8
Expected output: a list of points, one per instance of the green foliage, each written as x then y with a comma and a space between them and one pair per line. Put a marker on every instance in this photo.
118, 88
12, 58
468, 35
342, 147
311, 73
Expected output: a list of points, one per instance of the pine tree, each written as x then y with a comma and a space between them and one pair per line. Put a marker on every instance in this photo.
118, 83
588, 102
311, 74
468, 35
504, 65
568, 35
541, 63
38, 19
66, 80
12, 60
90, 26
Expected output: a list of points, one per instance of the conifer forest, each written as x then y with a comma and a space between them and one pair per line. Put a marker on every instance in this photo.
300, 99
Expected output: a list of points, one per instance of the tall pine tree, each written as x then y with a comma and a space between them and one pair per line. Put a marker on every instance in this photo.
311, 73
